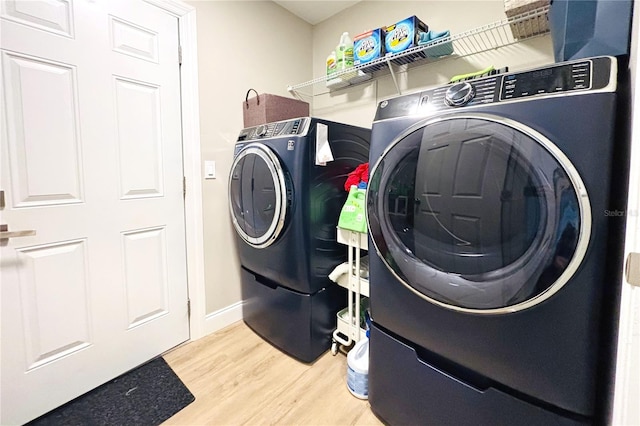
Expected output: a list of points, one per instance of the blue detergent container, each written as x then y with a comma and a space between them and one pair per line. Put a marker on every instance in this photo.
585, 28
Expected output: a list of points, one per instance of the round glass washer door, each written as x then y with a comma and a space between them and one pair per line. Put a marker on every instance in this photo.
478, 213
257, 195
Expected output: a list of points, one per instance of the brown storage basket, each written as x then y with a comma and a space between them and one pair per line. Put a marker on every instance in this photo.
527, 27
266, 108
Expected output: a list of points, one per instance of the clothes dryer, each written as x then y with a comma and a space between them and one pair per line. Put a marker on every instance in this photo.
285, 203
494, 280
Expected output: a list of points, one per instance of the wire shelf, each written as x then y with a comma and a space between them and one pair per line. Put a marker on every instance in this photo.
492, 36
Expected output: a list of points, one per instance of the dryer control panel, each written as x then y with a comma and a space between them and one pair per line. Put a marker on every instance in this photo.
298, 126
575, 76
586, 75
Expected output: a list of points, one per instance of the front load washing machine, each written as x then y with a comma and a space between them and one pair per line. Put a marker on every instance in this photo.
285, 201
494, 283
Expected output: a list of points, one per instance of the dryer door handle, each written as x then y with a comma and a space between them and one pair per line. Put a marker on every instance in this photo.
632, 269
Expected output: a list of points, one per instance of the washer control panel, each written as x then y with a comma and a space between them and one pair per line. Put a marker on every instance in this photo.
599, 73
297, 126
575, 76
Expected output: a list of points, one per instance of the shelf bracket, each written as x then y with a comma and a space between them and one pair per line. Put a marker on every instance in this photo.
293, 92
393, 76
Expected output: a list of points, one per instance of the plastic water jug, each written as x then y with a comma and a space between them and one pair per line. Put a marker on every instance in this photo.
358, 369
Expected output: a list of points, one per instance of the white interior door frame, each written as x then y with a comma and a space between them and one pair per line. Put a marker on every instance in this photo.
191, 160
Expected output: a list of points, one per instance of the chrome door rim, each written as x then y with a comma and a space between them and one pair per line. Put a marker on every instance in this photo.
578, 187
277, 173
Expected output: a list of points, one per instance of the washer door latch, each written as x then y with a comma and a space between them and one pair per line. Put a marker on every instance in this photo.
632, 269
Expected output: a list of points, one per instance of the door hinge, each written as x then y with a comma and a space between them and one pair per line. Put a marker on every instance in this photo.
632, 269
179, 55
184, 187
189, 308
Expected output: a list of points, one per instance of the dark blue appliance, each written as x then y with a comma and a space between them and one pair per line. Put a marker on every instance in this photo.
285, 209
584, 28
494, 282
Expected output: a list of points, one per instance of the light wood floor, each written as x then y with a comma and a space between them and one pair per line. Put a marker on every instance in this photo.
239, 379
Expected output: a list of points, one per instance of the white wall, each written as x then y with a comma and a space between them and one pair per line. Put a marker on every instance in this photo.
241, 45
357, 105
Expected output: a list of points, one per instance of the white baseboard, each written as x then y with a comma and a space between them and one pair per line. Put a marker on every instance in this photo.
222, 318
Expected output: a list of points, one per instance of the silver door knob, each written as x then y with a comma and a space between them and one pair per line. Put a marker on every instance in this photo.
5, 234
632, 269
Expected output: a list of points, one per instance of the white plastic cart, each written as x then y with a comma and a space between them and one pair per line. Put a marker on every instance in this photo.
348, 328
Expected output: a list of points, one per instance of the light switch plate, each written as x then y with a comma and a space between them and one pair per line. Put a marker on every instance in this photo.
209, 169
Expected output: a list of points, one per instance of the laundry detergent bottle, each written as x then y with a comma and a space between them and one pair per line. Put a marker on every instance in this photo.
344, 52
358, 369
332, 66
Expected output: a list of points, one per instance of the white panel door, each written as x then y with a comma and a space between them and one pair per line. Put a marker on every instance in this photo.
91, 159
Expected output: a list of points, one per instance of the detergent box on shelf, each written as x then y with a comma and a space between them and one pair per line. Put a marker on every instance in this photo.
404, 35
368, 47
